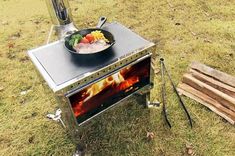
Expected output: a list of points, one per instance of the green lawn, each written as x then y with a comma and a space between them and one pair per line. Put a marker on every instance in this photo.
184, 31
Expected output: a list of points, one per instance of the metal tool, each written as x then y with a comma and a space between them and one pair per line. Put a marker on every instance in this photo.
163, 71
164, 93
56, 117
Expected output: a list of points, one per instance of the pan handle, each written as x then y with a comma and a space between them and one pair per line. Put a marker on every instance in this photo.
101, 22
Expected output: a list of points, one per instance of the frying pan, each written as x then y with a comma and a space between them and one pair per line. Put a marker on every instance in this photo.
84, 32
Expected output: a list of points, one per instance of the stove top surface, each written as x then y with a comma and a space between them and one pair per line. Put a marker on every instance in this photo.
60, 66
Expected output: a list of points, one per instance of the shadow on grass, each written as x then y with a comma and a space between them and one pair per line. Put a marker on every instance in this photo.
119, 131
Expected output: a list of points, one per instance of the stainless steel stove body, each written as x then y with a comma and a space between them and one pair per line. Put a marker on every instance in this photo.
86, 86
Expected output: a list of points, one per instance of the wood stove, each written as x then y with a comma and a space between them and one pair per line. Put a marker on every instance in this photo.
87, 85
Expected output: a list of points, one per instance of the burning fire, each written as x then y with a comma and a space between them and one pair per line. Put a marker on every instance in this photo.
96, 88
94, 95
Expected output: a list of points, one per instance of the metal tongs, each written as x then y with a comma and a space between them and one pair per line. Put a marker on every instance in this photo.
163, 71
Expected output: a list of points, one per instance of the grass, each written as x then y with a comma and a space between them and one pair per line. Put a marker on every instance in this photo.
183, 31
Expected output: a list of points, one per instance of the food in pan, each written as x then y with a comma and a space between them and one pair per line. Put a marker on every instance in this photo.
93, 42
98, 35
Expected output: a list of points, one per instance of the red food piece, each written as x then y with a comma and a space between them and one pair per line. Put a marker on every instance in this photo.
90, 38
84, 40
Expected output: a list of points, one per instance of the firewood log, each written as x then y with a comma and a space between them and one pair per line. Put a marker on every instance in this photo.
219, 96
207, 101
213, 82
221, 76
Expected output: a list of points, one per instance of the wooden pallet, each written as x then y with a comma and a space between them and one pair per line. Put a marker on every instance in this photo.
212, 88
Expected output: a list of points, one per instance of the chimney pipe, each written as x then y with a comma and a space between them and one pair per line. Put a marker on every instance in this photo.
61, 17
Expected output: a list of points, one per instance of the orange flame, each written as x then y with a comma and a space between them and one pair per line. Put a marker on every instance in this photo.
93, 96
101, 85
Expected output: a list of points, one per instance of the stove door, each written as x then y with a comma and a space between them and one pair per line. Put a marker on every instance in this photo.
98, 96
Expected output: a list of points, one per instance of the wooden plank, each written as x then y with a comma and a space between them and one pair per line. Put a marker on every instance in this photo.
207, 99
207, 105
219, 96
221, 76
213, 83
210, 103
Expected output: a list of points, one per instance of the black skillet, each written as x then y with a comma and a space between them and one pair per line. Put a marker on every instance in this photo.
84, 32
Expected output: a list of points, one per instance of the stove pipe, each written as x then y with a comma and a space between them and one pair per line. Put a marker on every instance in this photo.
61, 17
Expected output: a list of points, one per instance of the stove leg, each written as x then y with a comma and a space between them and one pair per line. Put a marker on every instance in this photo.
150, 103
145, 98
80, 151
50, 33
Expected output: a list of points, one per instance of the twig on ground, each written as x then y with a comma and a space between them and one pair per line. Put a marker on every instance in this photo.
170, 5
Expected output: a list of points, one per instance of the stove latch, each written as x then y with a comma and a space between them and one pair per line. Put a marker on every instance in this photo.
56, 117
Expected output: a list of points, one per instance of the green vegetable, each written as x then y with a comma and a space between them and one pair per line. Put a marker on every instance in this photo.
75, 39
75, 42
